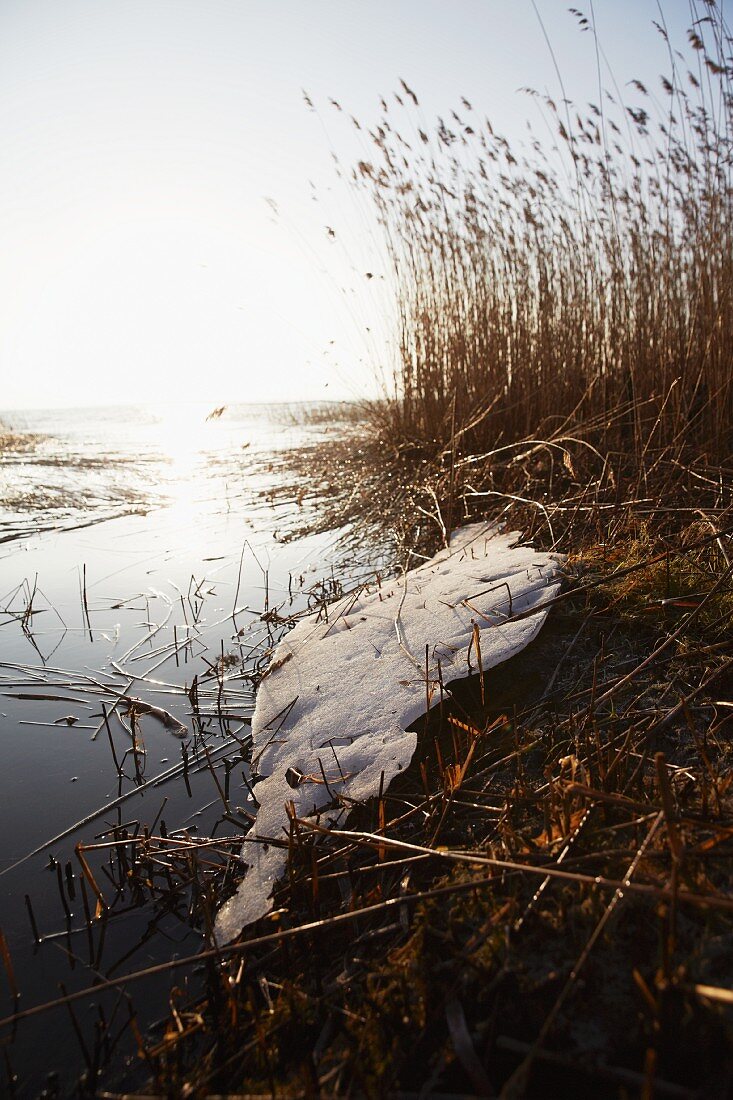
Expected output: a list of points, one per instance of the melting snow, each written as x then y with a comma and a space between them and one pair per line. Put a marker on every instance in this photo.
331, 712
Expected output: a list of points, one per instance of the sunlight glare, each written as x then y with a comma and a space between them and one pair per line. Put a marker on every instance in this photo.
184, 438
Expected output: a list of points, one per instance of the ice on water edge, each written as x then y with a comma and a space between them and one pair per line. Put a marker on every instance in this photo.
340, 694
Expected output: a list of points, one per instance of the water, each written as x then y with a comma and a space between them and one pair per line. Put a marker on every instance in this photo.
111, 461
139, 549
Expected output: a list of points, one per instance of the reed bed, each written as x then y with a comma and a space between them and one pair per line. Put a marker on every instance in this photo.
578, 289
562, 309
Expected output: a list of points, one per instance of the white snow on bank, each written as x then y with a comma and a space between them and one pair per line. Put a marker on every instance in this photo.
331, 713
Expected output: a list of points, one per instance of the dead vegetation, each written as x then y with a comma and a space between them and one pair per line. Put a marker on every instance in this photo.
17, 442
576, 291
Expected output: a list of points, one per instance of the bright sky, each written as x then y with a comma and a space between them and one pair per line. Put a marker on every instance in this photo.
140, 139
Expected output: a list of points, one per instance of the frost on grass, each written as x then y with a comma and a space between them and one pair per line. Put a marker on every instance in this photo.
332, 711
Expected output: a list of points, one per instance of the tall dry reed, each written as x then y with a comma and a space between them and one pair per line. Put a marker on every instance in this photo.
581, 287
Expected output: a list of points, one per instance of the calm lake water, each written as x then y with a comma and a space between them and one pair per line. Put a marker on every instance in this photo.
138, 550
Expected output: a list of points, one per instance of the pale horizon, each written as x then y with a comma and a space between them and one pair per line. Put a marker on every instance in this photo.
192, 403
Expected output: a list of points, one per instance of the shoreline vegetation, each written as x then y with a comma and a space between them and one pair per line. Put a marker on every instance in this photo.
543, 903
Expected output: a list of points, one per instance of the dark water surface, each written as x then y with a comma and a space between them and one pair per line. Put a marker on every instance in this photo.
95, 608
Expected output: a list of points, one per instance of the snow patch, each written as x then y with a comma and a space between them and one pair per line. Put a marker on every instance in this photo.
331, 712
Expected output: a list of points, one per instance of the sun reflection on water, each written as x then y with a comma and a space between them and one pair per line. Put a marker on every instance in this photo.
185, 439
